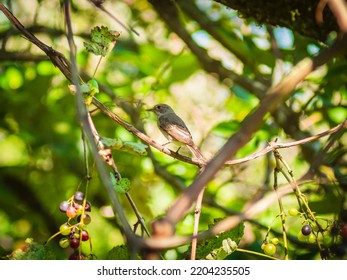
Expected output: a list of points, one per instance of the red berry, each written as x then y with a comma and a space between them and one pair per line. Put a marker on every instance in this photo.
85, 235
74, 243
71, 212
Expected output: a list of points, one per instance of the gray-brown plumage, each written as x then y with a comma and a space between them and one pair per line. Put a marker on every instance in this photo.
174, 128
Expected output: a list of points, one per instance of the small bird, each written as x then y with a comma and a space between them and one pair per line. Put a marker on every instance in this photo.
174, 128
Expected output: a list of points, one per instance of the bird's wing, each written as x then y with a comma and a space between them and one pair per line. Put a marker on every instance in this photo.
176, 130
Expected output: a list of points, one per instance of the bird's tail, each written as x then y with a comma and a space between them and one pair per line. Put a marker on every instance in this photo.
196, 152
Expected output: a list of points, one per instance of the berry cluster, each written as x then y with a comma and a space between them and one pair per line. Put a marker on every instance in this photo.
75, 231
269, 246
331, 239
306, 234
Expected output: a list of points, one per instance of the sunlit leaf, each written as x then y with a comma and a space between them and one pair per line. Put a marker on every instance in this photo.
100, 40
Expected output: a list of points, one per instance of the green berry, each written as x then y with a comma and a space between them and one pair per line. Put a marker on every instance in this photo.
275, 241
293, 212
64, 242
86, 219
65, 229
315, 227
301, 237
270, 249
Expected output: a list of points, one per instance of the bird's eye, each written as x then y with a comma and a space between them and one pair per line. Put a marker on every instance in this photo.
159, 107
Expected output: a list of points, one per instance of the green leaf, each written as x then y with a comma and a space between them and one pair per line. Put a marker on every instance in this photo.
138, 149
122, 185
112, 143
135, 148
120, 252
89, 90
228, 246
93, 88
101, 38
220, 246
32, 251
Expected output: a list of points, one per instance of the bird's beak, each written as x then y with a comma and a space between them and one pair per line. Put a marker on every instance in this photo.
151, 110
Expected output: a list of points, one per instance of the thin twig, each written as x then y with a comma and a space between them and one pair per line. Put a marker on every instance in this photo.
197, 214
108, 158
194, 161
143, 136
280, 204
224, 225
57, 58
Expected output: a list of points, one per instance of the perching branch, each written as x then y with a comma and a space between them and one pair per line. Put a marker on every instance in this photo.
143, 136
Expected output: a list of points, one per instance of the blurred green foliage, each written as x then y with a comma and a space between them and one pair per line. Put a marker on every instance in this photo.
41, 149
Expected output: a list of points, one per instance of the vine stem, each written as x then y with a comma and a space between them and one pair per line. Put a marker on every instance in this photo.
197, 214
107, 156
280, 204
97, 66
140, 218
302, 200
256, 253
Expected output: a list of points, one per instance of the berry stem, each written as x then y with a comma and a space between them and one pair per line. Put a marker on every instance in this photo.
302, 200
256, 253
282, 212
